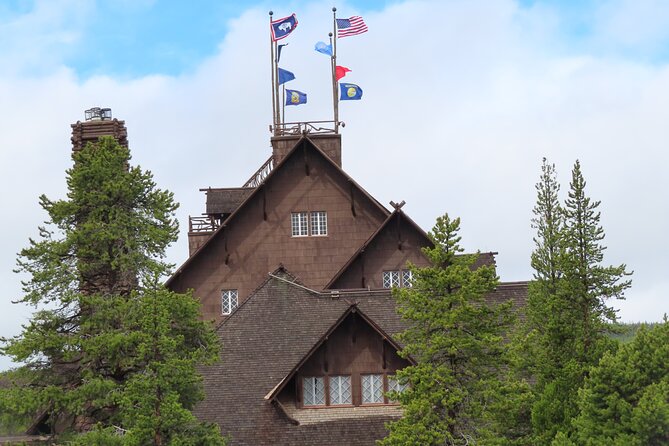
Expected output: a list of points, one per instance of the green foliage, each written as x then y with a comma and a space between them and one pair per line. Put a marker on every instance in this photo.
455, 338
625, 399
568, 318
108, 345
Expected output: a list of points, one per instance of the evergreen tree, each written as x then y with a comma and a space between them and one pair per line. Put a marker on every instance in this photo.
625, 399
455, 337
108, 345
567, 313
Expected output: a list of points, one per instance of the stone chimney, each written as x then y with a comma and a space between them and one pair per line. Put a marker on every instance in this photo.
98, 123
329, 143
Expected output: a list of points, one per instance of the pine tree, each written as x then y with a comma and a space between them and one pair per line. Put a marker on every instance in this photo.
455, 337
567, 313
625, 399
103, 323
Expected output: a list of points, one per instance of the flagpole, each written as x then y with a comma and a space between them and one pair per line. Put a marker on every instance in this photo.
283, 102
274, 106
333, 63
276, 87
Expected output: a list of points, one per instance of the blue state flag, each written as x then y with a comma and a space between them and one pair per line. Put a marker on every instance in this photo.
350, 92
285, 76
294, 97
324, 48
282, 27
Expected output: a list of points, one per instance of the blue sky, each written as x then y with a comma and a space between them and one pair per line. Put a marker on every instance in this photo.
135, 38
462, 100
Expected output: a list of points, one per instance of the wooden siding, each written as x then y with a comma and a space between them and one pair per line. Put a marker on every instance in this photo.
390, 250
257, 238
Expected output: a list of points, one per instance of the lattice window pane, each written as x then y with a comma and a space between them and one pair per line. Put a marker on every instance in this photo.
340, 390
298, 224
229, 300
391, 279
313, 389
395, 385
319, 223
372, 389
407, 277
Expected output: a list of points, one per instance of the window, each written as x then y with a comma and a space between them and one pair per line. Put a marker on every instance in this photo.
319, 223
298, 223
401, 278
372, 389
229, 301
391, 279
314, 391
340, 390
407, 277
395, 385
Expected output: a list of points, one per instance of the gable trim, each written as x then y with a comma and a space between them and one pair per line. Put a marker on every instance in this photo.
232, 216
397, 213
353, 308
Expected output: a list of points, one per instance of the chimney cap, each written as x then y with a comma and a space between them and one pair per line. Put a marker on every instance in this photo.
98, 114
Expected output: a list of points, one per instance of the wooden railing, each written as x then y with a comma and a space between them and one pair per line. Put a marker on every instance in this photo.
202, 224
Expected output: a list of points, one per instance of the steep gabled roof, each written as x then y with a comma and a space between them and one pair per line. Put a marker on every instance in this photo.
353, 308
304, 142
395, 215
263, 342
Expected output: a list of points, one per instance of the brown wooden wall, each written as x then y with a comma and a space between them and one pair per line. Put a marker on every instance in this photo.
390, 250
257, 239
354, 349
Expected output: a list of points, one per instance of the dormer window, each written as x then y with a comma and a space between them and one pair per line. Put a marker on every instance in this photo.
314, 391
304, 224
401, 278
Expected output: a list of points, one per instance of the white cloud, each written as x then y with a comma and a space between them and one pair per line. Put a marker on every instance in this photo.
462, 100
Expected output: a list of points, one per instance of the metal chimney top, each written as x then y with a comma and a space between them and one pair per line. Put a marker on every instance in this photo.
98, 114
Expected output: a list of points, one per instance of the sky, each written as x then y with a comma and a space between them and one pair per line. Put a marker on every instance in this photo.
462, 100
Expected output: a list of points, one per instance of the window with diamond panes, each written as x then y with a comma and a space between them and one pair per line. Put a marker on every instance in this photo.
395, 385
372, 389
407, 277
313, 390
391, 279
319, 223
299, 225
229, 301
340, 390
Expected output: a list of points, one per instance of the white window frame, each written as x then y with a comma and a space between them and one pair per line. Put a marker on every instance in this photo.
401, 278
396, 385
391, 279
407, 278
299, 224
340, 390
310, 387
375, 386
229, 301
319, 223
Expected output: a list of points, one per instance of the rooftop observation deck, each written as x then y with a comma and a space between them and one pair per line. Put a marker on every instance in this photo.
221, 202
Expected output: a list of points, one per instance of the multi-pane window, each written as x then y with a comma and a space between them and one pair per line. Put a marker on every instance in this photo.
372, 389
313, 389
399, 278
319, 223
391, 279
229, 301
298, 223
395, 385
340, 390
407, 277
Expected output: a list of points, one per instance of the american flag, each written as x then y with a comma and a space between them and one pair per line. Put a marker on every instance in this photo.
351, 26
